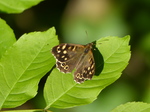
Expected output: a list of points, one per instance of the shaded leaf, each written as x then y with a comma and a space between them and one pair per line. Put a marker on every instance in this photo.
62, 92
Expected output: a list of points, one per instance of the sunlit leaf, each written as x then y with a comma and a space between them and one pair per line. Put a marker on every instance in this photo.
17, 6
133, 107
31, 110
7, 37
23, 65
62, 92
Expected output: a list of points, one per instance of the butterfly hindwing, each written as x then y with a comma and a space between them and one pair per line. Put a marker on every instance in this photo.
86, 69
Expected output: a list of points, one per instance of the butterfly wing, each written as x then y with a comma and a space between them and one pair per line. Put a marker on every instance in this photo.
85, 69
67, 56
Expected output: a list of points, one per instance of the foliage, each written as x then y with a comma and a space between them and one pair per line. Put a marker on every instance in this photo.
133, 107
17, 6
23, 65
66, 93
24, 62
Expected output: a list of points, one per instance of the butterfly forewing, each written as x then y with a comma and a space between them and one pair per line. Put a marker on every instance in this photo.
67, 56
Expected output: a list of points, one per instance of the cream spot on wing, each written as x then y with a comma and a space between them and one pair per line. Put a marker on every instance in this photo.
89, 68
58, 51
92, 66
64, 52
69, 47
90, 72
74, 48
62, 56
65, 59
64, 46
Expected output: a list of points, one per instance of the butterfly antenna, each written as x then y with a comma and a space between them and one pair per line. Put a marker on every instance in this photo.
86, 34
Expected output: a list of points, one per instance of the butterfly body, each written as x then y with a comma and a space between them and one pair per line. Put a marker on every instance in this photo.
75, 56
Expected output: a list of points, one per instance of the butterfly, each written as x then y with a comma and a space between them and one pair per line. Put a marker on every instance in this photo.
75, 56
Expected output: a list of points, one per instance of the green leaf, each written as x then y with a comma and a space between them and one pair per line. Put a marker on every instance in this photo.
133, 107
7, 37
17, 6
23, 65
61, 91
33, 110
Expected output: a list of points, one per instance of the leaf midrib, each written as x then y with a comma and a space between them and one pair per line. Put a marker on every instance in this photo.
48, 106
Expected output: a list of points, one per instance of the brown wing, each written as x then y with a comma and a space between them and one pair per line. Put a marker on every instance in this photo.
67, 56
85, 68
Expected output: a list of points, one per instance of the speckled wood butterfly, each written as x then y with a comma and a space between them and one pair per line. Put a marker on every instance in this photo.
74, 56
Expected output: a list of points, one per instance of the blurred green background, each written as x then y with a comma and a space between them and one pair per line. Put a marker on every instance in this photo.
83, 21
